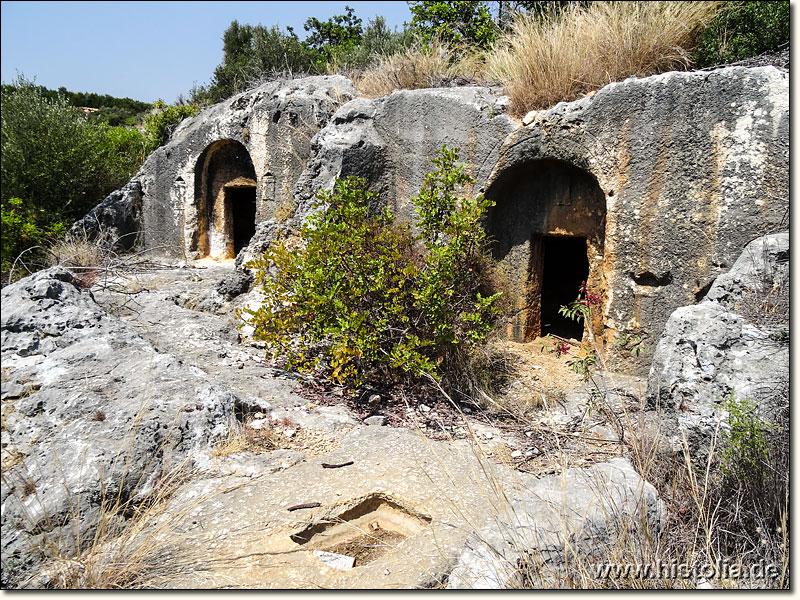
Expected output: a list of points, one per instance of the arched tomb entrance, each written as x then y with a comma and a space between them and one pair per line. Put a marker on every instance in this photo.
548, 227
225, 200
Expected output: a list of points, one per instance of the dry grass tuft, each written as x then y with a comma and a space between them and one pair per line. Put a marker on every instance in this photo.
79, 251
418, 67
249, 439
85, 256
265, 435
126, 549
561, 59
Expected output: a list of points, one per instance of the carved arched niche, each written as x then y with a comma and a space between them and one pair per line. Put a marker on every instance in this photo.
548, 227
225, 200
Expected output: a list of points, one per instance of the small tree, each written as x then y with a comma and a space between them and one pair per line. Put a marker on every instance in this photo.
160, 124
362, 298
454, 21
340, 34
56, 165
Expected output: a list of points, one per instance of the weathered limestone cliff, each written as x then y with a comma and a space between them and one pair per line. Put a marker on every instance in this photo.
648, 189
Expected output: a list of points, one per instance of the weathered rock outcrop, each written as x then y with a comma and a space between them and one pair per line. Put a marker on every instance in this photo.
589, 514
92, 414
257, 142
390, 142
116, 220
648, 189
432, 496
734, 342
104, 394
691, 167
662, 180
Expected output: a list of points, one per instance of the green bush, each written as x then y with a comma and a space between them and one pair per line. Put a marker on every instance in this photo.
254, 53
124, 151
56, 164
454, 22
159, 125
744, 442
361, 298
25, 228
751, 504
51, 153
743, 30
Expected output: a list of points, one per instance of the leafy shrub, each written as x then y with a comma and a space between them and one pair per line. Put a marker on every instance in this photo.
744, 442
454, 21
364, 298
377, 43
753, 492
743, 30
24, 227
254, 53
51, 154
56, 164
160, 124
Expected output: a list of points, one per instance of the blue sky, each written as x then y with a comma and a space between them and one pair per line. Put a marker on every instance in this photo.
144, 50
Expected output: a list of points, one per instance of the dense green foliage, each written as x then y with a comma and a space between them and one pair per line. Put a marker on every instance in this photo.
753, 477
455, 22
743, 30
160, 124
24, 228
111, 111
252, 54
56, 164
339, 35
744, 442
476, 23
362, 298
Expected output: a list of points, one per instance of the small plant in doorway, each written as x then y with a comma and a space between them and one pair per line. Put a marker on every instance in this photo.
583, 362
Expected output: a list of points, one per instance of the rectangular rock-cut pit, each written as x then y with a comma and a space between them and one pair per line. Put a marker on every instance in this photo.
367, 531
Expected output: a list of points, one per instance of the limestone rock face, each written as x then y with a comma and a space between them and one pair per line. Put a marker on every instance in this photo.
647, 190
590, 511
242, 155
659, 183
390, 142
734, 342
690, 168
117, 219
91, 413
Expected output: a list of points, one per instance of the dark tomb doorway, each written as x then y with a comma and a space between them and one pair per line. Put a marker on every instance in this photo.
564, 267
241, 202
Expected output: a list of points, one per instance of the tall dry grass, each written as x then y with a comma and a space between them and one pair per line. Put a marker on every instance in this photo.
582, 49
435, 65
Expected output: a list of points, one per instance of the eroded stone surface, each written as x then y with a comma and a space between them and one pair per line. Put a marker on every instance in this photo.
733, 343
229, 525
685, 168
105, 414
447, 492
592, 513
259, 139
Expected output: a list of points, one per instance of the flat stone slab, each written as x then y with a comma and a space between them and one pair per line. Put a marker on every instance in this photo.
418, 500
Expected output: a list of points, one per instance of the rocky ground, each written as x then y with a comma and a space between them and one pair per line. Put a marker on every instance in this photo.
148, 441
165, 363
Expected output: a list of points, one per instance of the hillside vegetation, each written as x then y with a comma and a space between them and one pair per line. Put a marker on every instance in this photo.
542, 52
58, 163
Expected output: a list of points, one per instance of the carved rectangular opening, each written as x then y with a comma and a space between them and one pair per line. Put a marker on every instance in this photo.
565, 265
365, 532
241, 206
